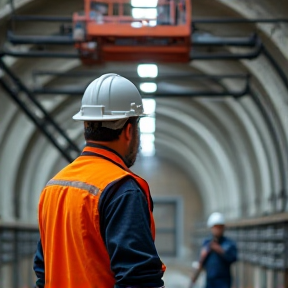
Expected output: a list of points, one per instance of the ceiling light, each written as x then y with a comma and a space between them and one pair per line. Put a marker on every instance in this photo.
147, 125
147, 70
148, 87
146, 3
147, 145
149, 13
149, 106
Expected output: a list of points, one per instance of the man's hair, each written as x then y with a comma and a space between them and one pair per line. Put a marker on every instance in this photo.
94, 131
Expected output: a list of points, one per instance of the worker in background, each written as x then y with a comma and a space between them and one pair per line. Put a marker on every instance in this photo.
95, 216
217, 254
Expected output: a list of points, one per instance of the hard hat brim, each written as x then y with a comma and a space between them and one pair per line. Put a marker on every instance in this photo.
80, 117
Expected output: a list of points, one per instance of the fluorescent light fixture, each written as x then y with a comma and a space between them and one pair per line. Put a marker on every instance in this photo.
147, 125
147, 70
147, 145
142, 3
149, 106
148, 87
139, 13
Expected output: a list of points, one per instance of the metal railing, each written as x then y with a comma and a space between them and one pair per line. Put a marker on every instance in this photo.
18, 243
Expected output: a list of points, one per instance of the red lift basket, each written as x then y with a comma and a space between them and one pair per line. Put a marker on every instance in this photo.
115, 30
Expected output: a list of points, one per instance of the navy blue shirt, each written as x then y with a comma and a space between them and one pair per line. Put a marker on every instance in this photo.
217, 266
125, 229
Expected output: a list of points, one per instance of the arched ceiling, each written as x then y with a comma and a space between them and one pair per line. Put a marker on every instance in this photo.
224, 145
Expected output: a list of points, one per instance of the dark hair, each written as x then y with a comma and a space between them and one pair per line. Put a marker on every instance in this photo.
94, 131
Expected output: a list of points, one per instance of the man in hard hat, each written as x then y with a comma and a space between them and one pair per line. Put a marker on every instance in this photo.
95, 216
217, 254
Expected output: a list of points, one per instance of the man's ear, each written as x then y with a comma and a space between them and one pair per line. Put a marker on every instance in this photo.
128, 132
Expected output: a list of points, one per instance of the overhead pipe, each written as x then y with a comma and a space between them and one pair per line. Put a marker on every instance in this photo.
51, 18
239, 21
38, 54
197, 40
193, 55
27, 39
42, 18
132, 77
228, 56
74, 91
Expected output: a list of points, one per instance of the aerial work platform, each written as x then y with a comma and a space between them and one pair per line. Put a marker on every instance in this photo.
122, 30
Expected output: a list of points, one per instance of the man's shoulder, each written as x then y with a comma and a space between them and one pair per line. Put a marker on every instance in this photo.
229, 241
206, 241
121, 187
129, 183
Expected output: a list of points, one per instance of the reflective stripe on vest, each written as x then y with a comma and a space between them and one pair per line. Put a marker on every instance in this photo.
76, 184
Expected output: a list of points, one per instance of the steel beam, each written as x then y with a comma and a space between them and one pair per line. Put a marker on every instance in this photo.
69, 148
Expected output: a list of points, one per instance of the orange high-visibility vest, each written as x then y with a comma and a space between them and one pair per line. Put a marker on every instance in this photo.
75, 255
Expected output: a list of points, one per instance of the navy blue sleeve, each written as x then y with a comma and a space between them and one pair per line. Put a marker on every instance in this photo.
125, 228
206, 243
230, 250
38, 265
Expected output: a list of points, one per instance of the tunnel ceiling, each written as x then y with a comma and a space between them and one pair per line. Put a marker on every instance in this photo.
234, 150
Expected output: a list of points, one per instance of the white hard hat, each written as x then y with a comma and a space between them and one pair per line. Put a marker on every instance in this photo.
110, 98
215, 219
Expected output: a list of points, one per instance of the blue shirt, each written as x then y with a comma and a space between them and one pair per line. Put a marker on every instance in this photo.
217, 266
125, 229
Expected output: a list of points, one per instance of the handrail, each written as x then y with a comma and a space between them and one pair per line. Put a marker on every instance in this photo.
18, 226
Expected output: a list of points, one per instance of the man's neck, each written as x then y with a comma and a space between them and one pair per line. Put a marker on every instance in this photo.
111, 146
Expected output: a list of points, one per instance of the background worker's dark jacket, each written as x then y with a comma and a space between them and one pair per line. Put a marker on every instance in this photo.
218, 266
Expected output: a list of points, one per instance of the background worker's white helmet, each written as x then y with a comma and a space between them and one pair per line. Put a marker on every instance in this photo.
215, 218
109, 98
